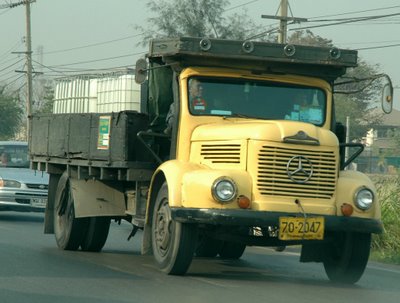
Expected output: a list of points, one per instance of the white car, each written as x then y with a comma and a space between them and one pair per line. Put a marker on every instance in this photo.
21, 189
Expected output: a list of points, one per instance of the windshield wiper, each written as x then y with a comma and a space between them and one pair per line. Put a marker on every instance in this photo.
237, 115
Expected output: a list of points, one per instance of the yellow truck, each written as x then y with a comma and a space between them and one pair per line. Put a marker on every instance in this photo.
236, 144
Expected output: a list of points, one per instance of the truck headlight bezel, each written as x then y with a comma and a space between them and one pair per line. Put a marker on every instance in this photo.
224, 190
364, 198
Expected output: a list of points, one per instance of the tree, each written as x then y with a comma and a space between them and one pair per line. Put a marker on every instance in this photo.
394, 135
206, 18
10, 115
361, 106
308, 38
196, 18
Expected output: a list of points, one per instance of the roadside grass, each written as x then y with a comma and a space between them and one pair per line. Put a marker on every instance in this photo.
386, 246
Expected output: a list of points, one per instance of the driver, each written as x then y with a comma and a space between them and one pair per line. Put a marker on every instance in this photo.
197, 103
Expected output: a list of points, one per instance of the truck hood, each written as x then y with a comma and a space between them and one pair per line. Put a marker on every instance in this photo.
277, 131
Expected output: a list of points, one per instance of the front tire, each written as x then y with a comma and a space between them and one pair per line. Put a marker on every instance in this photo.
173, 243
68, 230
347, 257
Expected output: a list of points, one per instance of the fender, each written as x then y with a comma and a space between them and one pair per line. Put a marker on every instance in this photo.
173, 172
189, 185
349, 182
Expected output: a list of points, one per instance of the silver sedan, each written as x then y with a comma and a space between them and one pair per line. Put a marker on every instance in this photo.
21, 189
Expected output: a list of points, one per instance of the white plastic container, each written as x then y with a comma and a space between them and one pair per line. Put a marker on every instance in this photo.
97, 93
118, 93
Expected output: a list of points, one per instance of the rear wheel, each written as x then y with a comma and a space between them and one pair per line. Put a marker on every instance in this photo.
68, 230
232, 250
173, 243
346, 258
97, 233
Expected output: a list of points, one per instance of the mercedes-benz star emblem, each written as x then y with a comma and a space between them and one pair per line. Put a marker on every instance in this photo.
299, 169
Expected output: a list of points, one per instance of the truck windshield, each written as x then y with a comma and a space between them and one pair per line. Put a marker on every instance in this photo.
256, 99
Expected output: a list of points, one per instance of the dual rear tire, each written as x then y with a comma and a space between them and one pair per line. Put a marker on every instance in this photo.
70, 232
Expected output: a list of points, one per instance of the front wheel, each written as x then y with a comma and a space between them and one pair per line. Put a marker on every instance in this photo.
173, 243
347, 257
68, 230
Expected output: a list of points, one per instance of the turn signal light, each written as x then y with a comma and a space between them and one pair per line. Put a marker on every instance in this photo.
243, 202
347, 209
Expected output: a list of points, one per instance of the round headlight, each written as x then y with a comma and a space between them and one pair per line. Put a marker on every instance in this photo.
224, 189
364, 198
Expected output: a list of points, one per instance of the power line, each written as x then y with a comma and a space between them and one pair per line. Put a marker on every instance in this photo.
339, 21
47, 67
7, 61
8, 52
357, 12
369, 42
93, 44
67, 71
378, 47
9, 78
14, 81
98, 60
240, 5
11, 65
350, 20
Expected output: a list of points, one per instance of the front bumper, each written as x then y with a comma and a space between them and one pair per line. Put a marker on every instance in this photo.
23, 200
229, 217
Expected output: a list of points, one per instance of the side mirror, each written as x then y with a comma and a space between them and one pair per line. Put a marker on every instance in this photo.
140, 71
387, 96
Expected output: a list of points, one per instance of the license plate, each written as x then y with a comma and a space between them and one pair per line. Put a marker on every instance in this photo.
298, 228
38, 202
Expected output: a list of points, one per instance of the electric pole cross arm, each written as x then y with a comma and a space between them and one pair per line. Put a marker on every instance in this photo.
15, 4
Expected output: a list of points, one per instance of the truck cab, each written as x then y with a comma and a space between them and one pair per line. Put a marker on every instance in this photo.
256, 157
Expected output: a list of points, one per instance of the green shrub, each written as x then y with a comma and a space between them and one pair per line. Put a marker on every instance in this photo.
386, 246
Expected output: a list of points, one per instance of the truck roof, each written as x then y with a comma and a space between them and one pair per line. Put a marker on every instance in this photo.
262, 57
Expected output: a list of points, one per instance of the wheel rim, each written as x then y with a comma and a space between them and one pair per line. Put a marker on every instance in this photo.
163, 229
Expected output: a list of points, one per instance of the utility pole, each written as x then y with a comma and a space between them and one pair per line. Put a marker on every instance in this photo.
29, 93
283, 20
28, 54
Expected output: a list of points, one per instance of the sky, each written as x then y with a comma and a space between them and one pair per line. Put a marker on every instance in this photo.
80, 35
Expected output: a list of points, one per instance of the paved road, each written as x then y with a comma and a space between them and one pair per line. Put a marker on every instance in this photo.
32, 269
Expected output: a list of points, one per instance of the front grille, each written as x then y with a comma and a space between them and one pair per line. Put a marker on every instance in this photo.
273, 180
221, 153
37, 186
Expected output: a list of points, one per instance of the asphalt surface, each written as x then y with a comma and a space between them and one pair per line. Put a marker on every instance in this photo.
33, 269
